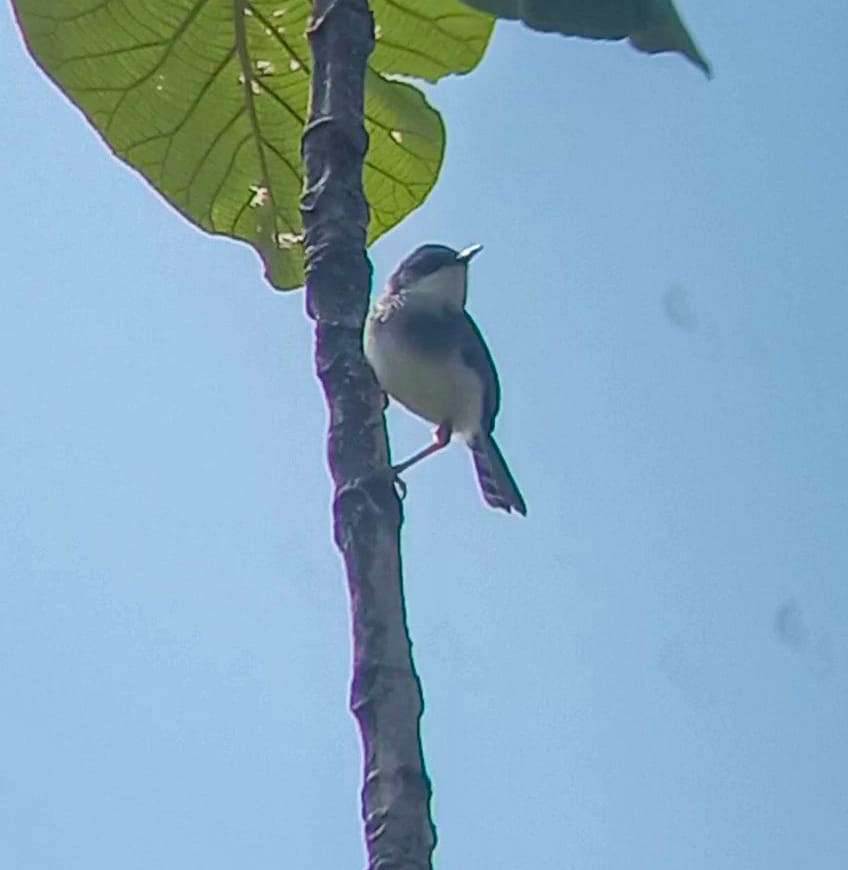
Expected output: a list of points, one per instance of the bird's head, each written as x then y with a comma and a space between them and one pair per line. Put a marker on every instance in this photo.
434, 274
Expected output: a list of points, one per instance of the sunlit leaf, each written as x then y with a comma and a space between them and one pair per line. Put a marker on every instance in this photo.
207, 99
428, 39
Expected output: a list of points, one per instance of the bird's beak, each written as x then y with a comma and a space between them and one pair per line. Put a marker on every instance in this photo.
468, 253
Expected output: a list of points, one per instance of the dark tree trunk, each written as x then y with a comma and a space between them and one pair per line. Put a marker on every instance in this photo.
386, 693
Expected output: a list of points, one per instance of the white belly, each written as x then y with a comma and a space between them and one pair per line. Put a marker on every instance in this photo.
441, 391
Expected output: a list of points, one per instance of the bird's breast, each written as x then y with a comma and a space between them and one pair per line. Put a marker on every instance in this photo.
424, 371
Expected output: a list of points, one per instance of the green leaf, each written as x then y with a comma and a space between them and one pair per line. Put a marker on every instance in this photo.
208, 98
652, 26
428, 39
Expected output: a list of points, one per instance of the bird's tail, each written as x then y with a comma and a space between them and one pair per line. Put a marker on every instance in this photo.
496, 483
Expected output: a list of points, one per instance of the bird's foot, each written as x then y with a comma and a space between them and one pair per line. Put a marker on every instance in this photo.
441, 439
399, 485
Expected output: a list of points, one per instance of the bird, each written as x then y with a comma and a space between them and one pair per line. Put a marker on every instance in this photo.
429, 355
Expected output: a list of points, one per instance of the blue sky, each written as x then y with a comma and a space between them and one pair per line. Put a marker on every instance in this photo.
648, 672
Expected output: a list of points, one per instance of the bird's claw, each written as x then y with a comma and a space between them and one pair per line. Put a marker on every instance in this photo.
399, 485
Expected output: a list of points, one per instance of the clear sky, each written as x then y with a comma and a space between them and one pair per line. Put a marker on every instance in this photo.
650, 672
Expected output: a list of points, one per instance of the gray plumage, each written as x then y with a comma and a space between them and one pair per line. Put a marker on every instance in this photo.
429, 355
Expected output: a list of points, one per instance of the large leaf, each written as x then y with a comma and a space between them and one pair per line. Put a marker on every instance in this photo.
651, 25
207, 99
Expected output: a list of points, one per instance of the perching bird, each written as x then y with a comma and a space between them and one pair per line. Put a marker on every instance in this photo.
429, 355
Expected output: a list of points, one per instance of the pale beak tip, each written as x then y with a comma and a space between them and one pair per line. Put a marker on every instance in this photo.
468, 253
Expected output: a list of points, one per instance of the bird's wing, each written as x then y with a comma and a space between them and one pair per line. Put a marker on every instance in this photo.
477, 356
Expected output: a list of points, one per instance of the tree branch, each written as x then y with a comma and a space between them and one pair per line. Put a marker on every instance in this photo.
386, 693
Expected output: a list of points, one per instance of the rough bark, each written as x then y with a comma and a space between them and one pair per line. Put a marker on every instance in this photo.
386, 693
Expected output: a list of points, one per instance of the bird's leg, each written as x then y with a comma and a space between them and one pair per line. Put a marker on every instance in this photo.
442, 439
